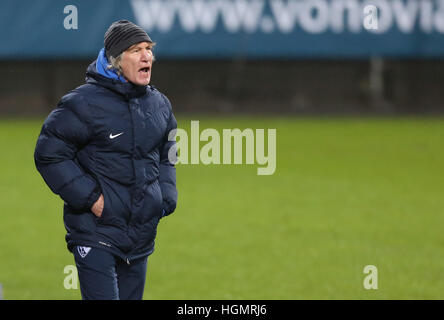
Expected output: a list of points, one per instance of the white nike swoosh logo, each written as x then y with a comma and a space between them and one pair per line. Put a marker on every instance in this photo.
111, 136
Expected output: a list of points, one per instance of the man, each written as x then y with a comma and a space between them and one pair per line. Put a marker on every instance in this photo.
104, 150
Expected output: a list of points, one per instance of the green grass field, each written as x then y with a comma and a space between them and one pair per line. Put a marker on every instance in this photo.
347, 192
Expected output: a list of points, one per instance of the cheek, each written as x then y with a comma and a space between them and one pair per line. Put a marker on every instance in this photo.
128, 67
131, 72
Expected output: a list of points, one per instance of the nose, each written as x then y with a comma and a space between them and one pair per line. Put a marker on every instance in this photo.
147, 55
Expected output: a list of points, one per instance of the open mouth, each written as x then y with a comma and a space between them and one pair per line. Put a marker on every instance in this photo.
145, 70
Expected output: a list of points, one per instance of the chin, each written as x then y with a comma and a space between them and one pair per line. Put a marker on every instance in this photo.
143, 82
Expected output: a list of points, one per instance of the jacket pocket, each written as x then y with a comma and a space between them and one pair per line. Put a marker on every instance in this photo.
114, 212
78, 221
102, 217
153, 205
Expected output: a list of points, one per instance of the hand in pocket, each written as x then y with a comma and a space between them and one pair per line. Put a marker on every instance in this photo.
97, 207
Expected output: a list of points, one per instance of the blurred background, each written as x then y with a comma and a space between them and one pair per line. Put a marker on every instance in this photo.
246, 56
357, 101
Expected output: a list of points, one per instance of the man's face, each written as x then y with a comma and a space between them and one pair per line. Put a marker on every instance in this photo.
137, 62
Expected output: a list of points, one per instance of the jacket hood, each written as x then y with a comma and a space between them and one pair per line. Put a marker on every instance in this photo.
102, 67
126, 89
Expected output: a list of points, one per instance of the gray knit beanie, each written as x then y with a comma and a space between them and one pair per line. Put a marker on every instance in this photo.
121, 35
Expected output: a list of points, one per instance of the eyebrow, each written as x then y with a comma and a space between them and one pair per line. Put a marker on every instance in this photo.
139, 47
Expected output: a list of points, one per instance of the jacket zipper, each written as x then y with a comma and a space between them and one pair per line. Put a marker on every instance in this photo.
132, 153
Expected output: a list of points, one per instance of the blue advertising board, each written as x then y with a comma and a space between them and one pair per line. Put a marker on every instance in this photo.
214, 29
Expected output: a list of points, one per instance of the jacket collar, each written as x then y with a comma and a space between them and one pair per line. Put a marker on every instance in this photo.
126, 89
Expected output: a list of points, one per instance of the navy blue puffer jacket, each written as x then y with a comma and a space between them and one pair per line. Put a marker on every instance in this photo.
109, 137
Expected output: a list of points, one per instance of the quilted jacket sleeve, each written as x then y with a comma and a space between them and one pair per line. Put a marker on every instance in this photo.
62, 135
167, 176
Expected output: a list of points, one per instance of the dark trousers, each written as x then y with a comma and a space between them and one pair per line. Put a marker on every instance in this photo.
103, 276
